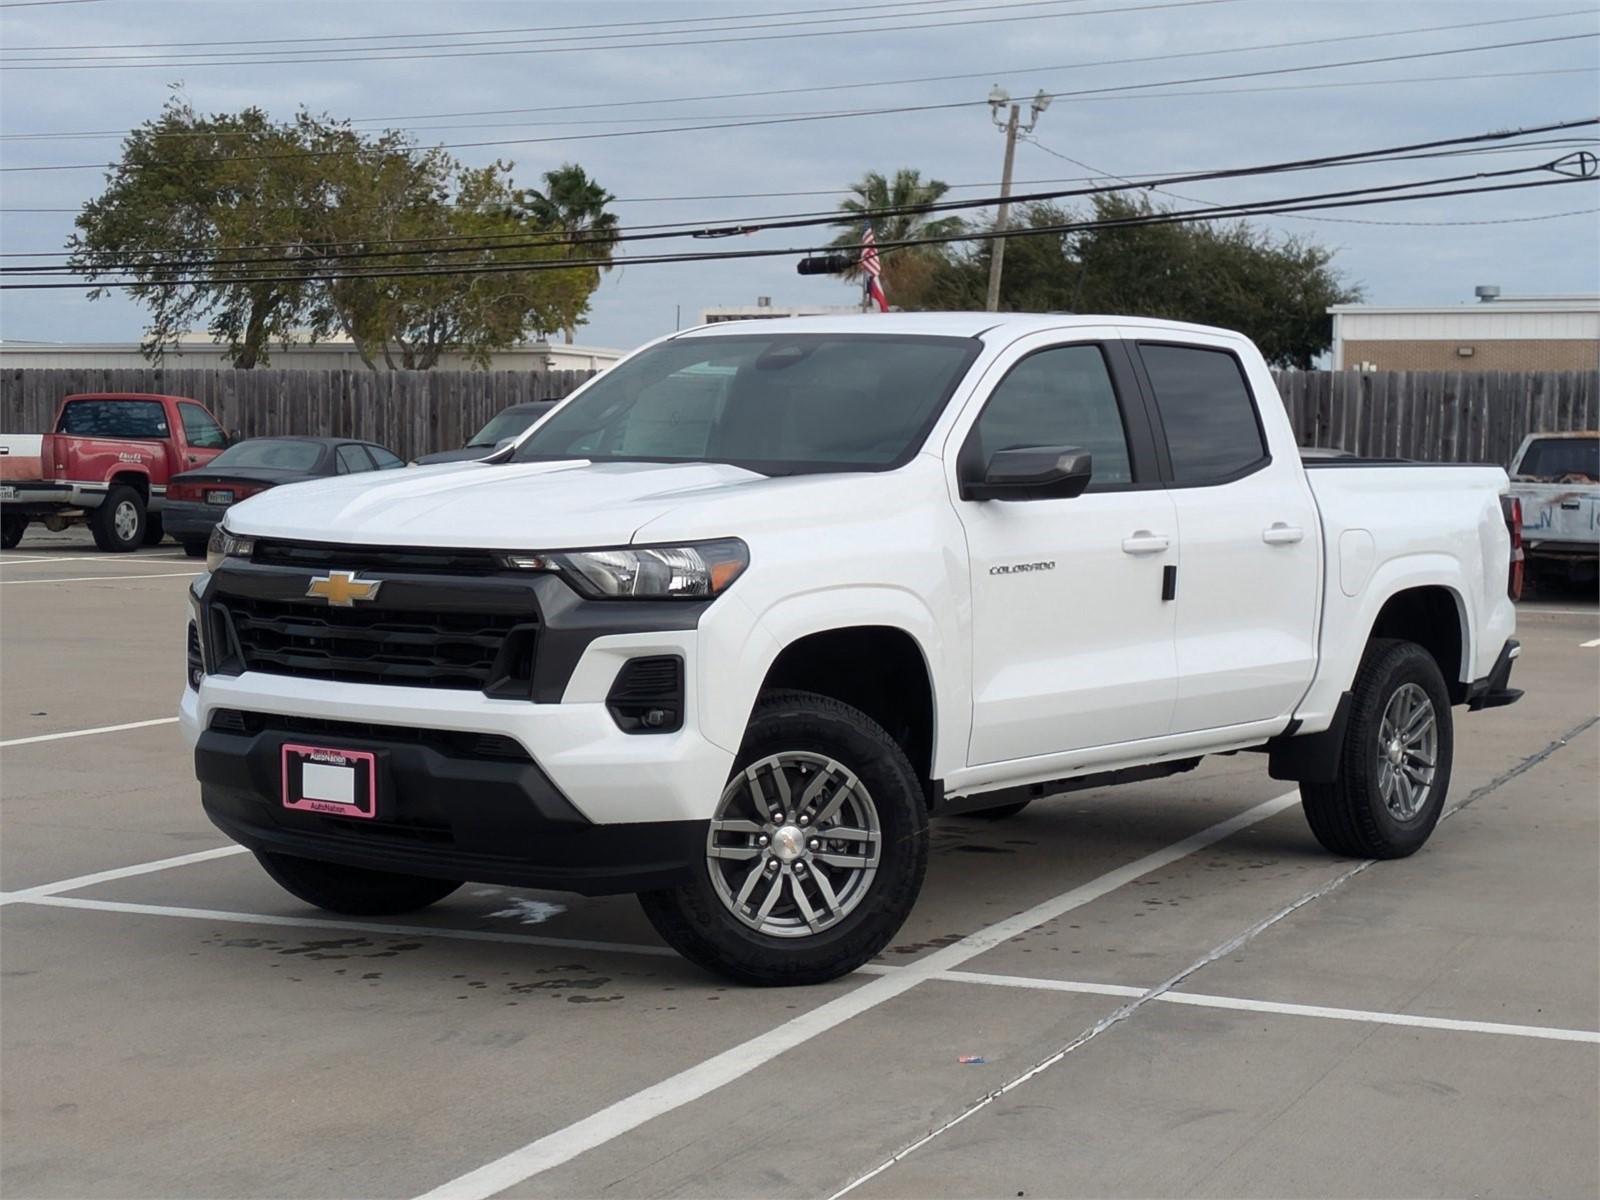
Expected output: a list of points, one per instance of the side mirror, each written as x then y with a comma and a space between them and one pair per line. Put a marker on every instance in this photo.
230, 437
1031, 473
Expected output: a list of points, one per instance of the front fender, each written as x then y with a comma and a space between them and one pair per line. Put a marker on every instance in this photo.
736, 632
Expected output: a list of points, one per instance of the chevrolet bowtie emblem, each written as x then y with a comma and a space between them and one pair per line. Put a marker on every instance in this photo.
342, 589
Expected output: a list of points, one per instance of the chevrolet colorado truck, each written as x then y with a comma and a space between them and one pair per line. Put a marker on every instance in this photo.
107, 463
732, 623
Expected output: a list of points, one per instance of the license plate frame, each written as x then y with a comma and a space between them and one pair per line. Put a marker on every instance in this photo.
7, 492
219, 496
338, 783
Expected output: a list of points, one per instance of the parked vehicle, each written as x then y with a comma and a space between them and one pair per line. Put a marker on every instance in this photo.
1555, 477
197, 500
505, 427
732, 624
107, 462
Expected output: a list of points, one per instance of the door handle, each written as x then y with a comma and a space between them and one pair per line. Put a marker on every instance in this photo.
1279, 534
1145, 542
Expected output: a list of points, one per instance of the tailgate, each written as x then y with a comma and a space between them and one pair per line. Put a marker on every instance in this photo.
1559, 512
22, 457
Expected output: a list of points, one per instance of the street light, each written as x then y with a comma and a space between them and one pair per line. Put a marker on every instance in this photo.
999, 101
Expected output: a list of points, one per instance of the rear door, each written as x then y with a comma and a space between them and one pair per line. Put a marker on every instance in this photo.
1072, 642
1249, 560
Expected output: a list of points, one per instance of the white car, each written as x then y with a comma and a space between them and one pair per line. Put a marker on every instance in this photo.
730, 625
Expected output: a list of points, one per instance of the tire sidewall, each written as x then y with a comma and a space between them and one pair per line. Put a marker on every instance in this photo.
104, 522
1405, 664
799, 723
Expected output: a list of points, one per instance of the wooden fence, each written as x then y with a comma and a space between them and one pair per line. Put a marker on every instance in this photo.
411, 412
1442, 416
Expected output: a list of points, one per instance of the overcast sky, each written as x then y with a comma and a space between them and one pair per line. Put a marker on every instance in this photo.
1444, 248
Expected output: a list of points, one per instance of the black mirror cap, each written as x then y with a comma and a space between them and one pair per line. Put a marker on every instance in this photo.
1032, 473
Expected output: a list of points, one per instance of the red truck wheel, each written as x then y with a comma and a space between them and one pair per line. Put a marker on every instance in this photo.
118, 524
12, 527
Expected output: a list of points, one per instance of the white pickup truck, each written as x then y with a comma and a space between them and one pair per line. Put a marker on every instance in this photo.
733, 622
1555, 479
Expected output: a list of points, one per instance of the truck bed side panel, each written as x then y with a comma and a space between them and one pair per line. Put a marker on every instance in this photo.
1389, 528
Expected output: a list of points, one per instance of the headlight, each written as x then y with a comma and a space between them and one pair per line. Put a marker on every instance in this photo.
225, 545
646, 572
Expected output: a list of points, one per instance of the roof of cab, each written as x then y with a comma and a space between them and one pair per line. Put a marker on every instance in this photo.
943, 324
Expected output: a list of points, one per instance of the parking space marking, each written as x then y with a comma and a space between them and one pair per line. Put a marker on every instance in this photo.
1239, 1004
77, 733
9, 560
23, 895
99, 578
700, 1080
1587, 645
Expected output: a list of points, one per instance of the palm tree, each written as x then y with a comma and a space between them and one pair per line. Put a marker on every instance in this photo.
906, 271
575, 205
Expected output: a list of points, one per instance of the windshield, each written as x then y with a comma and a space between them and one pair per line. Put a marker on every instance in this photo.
775, 403
1556, 458
508, 424
283, 453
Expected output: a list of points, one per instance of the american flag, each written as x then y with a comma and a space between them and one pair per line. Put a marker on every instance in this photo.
872, 271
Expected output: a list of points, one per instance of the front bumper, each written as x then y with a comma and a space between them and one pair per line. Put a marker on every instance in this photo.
444, 811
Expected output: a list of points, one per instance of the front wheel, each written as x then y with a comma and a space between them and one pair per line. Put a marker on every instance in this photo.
354, 891
119, 523
1394, 767
814, 856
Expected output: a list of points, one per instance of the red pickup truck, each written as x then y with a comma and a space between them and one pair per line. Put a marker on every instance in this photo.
107, 462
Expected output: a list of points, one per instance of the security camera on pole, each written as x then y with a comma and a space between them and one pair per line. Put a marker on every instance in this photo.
999, 98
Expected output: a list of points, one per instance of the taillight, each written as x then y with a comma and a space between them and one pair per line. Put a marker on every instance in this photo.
182, 491
1512, 508
242, 490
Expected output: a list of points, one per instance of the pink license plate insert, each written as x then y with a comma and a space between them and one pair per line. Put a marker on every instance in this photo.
342, 783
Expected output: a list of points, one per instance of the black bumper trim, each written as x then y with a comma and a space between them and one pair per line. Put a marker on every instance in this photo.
443, 816
1491, 691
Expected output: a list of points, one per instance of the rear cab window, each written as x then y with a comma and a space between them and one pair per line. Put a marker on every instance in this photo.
1561, 459
114, 419
1213, 431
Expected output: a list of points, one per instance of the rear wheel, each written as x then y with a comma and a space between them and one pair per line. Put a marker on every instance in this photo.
1394, 768
814, 856
119, 523
154, 531
12, 527
355, 891
194, 547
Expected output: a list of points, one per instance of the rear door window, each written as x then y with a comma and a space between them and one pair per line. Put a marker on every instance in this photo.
353, 459
385, 460
114, 419
1213, 432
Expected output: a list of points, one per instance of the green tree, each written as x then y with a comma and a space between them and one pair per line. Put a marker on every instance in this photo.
1274, 289
212, 201
909, 270
575, 205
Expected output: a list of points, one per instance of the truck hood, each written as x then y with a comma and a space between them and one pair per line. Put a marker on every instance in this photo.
545, 506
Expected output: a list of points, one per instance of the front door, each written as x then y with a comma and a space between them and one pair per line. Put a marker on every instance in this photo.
1072, 641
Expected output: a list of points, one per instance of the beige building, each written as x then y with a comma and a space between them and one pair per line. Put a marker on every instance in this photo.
1519, 333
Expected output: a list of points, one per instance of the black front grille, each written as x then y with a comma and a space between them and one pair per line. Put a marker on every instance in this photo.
454, 743
321, 557
371, 644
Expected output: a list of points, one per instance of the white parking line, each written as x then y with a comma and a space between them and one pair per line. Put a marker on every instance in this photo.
695, 1082
1588, 645
99, 578
78, 733
1237, 1004
11, 560
83, 881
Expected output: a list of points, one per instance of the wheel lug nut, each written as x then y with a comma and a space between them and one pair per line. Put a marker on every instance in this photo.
813, 844
763, 840
779, 819
804, 820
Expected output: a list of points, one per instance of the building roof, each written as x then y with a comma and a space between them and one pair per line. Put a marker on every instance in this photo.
1478, 307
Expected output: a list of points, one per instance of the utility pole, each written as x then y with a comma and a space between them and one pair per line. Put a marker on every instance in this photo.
999, 99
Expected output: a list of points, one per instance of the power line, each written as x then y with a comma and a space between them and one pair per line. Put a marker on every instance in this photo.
380, 53
39, 65
1464, 145
1262, 208
899, 109
45, 3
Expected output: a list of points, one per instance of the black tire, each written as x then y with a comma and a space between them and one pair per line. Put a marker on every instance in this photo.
999, 812
103, 521
697, 923
154, 531
1349, 816
194, 548
354, 891
12, 527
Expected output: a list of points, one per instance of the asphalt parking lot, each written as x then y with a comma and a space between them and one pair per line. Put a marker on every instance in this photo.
1171, 988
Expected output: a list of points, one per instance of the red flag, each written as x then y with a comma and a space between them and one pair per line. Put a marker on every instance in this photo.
872, 271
